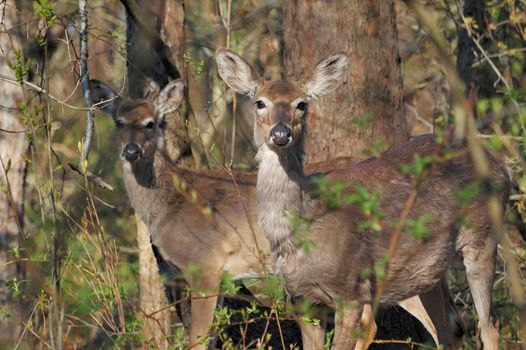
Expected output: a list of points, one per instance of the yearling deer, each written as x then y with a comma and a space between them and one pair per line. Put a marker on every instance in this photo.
178, 228
344, 249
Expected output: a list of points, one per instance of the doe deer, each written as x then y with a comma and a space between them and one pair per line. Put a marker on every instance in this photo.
343, 248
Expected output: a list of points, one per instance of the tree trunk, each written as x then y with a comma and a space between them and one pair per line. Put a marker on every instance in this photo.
13, 149
152, 296
366, 114
366, 30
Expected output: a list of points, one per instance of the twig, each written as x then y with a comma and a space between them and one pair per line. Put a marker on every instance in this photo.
11, 200
497, 55
507, 137
13, 131
39, 90
482, 51
407, 342
91, 177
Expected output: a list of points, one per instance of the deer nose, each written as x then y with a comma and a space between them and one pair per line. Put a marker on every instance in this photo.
281, 135
131, 152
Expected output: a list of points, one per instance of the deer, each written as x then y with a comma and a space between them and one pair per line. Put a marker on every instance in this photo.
332, 272
231, 240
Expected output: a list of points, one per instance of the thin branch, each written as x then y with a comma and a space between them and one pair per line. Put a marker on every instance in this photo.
91, 177
13, 131
39, 90
11, 200
481, 49
84, 77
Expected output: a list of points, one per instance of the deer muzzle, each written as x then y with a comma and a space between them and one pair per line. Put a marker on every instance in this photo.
280, 135
131, 152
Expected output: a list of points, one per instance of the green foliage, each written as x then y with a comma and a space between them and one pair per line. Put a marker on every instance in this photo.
273, 288
376, 148
44, 8
330, 190
369, 204
363, 122
300, 229
228, 285
178, 339
197, 67
328, 338
419, 165
14, 286
335, 196
378, 270
418, 227
222, 318
465, 196
19, 67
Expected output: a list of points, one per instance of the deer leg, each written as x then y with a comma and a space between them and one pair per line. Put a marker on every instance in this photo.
368, 326
204, 295
312, 336
446, 325
202, 318
480, 270
346, 321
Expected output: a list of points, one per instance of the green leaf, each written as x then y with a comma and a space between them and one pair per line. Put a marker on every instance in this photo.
330, 190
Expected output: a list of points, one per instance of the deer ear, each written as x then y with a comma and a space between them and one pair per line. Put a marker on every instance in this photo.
236, 72
104, 96
170, 97
329, 73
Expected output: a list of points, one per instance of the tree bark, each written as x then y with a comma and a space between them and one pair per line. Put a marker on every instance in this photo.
338, 126
366, 30
152, 296
13, 149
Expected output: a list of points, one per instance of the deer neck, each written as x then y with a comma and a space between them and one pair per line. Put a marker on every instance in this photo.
144, 183
279, 192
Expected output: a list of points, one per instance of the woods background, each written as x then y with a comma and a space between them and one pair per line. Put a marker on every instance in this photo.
76, 268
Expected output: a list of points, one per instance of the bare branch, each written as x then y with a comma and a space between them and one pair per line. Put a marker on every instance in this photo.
38, 89
84, 76
91, 177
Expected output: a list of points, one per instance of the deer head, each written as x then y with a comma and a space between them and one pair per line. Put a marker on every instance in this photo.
281, 106
139, 122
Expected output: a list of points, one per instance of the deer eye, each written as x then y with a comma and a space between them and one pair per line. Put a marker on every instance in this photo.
260, 104
302, 106
119, 124
149, 125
